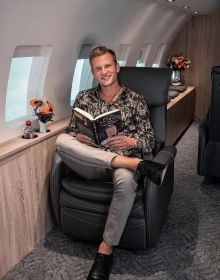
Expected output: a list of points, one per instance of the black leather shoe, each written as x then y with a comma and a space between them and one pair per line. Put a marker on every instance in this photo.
101, 267
152, 170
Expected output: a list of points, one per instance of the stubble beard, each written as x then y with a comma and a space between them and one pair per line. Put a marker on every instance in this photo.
110, 84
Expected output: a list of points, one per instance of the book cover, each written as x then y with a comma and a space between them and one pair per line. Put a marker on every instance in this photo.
100, 128
85, 123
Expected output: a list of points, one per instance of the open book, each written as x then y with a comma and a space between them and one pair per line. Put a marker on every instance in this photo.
100, 128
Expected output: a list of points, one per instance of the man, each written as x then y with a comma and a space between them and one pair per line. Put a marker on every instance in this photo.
119, 157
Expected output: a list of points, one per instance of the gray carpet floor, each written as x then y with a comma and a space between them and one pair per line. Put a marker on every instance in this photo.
188, 247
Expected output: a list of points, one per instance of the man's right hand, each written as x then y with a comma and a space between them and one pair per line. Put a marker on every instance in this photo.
85, 139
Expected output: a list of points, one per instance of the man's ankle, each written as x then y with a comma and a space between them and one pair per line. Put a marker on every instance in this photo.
105, 248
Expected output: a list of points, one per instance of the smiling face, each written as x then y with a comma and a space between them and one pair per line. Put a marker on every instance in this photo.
105, 69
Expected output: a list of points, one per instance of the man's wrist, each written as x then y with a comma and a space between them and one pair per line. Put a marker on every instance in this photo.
137, 144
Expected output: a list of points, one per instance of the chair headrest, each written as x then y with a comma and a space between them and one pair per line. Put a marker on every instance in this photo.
152, 83
215, 69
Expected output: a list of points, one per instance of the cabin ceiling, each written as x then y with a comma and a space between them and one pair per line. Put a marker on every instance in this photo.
201, 7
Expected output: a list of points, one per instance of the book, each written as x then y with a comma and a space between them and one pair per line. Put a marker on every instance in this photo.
100, 128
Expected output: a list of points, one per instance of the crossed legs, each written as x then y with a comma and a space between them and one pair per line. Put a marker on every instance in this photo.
79, 157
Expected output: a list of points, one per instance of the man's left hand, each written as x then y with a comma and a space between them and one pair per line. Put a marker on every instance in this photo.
120, 142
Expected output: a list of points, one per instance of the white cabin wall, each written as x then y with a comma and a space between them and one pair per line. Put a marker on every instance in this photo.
67, 24
156, 32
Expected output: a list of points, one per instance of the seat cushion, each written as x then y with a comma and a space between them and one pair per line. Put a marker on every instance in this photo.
93, 196
88, 189
91, 190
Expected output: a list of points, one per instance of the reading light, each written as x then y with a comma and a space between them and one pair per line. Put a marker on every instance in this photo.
170, 0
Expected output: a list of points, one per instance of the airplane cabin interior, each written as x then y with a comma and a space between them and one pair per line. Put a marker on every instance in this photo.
51, 219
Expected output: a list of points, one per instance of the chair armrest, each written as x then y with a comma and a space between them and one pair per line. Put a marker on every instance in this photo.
203, 140
157, 197
166, 155
58, 171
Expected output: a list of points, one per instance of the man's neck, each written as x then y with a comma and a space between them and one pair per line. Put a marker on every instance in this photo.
110, 93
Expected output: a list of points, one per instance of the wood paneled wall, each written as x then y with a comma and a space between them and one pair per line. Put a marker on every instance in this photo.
25, 215
178, 117
199, 40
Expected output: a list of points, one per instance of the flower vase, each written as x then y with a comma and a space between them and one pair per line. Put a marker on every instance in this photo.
176, 77
43, 127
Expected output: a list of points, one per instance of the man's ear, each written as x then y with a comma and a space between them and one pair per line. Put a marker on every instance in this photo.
92, 71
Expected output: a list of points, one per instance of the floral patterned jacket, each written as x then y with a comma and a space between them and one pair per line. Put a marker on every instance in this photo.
134, 110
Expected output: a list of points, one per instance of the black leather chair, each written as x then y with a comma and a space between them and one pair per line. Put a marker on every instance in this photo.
208, 163
80, 206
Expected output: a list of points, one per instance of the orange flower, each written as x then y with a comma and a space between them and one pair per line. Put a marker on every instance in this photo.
42, 109
34, 102
50, 105
45, 109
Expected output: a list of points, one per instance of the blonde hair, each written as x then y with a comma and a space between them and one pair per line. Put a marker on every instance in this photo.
101, 50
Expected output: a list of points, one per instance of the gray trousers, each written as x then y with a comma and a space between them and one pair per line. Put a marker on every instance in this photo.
93, 163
